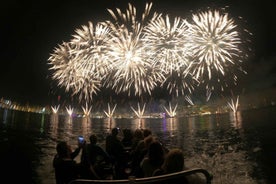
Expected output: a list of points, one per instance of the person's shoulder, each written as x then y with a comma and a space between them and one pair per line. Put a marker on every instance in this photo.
141, 143
99, 148
108, 137
195, 179
56, 161
158, 172
56, 157
145, 160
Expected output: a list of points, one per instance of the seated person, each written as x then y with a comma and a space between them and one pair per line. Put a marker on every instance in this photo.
174, 162
153, 159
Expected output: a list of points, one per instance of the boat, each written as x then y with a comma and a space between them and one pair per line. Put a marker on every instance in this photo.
166, 178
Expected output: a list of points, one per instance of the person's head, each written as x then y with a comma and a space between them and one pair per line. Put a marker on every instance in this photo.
147, 132
138, 134
148, 140
63, 149
127, 133
115, 131
156, 153
174, 161
93, 139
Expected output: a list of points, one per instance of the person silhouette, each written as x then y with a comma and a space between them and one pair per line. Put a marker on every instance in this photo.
175, 162
115, 149
153, 159
95, 161
66, 168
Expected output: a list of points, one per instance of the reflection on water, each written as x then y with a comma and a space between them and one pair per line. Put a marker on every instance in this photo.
5, 115
231, 146
236, 119
170, 124
53, 125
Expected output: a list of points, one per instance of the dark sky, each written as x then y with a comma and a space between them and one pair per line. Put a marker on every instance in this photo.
30, 30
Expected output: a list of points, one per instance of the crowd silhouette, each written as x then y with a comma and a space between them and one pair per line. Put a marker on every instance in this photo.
135, 153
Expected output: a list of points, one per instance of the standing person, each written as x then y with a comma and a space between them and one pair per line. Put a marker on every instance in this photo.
140, 151
127, 140
137, 137
134, 163
140, 154
95, 161
66, 168
141, 148
115, 149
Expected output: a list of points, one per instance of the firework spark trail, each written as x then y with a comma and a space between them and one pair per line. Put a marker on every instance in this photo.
215, 44
139, 112
55, 109
234, 104
86, 110
69, 110
189, 100
109, 113
171, 111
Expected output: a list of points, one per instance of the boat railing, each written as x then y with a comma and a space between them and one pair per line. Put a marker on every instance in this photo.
152, 180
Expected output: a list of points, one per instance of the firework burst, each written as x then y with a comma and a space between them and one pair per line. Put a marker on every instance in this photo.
80, 65
63, 66
132, 71
167, 40
215, 44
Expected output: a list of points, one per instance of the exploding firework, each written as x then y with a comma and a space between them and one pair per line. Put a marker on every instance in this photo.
134, 55
167, 39
131, 68
167, 42
80, 65
215, 44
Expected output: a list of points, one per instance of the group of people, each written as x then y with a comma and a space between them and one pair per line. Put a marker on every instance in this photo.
127, 153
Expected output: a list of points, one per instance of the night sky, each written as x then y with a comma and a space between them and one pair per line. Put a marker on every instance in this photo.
30, 30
